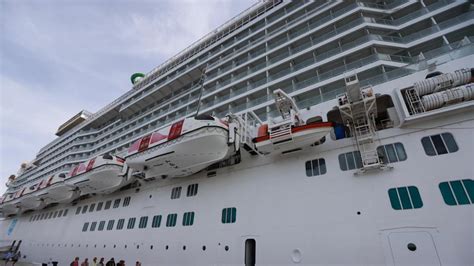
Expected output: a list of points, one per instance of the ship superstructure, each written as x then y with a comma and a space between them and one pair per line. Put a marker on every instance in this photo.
269, 97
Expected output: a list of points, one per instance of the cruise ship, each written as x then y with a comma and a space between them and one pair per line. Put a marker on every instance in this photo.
298, 132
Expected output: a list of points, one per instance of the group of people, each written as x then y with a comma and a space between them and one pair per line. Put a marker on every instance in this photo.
101, 262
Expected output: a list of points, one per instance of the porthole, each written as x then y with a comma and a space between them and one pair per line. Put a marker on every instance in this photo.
226, 248
79, 245
358, 213
87, 245
125, 246
95, 245
104, 246
411, 247
184, 247
138, 246
150, 196
166, 247
115, 246
203, 248
151, 246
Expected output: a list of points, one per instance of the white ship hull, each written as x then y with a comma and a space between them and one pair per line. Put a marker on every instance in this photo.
58, 193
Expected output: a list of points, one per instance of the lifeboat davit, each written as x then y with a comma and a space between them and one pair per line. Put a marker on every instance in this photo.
53, 189
102, 174
182, 149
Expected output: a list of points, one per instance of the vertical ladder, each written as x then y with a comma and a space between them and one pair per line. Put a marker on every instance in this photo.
414, 101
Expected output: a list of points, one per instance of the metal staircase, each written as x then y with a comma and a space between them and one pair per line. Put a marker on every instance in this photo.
358, 109
242, 129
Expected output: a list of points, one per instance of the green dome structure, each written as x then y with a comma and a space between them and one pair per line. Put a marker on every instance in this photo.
136, 77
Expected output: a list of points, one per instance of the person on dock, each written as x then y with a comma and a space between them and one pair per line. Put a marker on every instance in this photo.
111, 262
75, 262
94, 261
101, 262
85, 262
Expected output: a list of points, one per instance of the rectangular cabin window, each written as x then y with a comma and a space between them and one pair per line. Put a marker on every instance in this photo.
439, 144
188, 218
120, 224
171, 220
457, 192
350, 160
99, 206
156, 222
392, 153
85, 226
131, 223
192, 190
176, 193
107, 204
84, 209
91, 208
101, 226
110, 225
78, 210
93, 225
229, 215
143, 222
116, 203
404, 198
315, 167
126, 201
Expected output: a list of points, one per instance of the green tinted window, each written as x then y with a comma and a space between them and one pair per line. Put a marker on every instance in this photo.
405, 198
188, 218
458, 192
229, 215
439, 144
156, 222
171, 220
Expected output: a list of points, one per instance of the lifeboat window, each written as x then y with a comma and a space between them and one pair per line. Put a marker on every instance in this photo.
99, 206
229, 215
192, 190
143, 222
107, 204
156, 222
78, 210
171, 220
439, 144
91, 208
93, 225
101, 226
188, 218
85, 226
84, 209
60, 213
126, 201
350, 160
65, 212
315, 167
405, 198
458, 192
176, 193
120, 224
131, 223
392, 153
50, 215
55, 214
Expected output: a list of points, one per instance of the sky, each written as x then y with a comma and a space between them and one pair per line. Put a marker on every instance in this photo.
58, 57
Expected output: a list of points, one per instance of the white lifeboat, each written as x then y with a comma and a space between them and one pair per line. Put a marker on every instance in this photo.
291, 133
182, 149
29, 200
102, 174
8, 204
53, 189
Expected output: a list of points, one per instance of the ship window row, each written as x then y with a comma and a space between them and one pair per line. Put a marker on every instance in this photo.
48, 215
192, 191
455, 192
106, 205
229, 215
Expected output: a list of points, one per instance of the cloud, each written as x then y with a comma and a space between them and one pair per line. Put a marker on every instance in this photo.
59, 57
